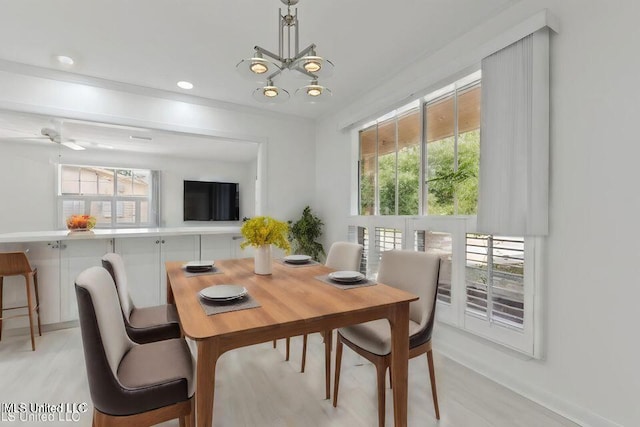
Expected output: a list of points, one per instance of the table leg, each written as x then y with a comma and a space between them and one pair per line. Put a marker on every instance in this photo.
399, 321
205, 382
170, 299
328, 337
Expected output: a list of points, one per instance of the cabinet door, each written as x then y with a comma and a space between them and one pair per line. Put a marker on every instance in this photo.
141, 257
215, 246
176, 248
76, 256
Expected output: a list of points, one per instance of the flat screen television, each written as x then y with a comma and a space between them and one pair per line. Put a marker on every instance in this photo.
211, 201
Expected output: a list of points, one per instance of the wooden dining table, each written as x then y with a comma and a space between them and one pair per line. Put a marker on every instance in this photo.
292, 302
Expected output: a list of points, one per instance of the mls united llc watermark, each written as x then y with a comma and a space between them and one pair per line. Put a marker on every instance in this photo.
42, 412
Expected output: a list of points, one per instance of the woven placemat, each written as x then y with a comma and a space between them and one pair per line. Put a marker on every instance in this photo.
211, 308
214, 270
365, 282
288, 264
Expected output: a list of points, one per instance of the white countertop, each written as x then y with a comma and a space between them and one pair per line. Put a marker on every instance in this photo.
43, 236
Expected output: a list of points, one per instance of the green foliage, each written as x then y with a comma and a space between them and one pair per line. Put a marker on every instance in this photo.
445, 184
408, 182
304, 233
367, 194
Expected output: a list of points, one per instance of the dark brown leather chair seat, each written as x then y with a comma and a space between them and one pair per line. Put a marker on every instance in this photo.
150, 324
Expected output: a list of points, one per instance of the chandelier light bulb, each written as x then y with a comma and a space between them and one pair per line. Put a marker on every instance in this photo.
258, 67
314, 91
312, 66
270, 91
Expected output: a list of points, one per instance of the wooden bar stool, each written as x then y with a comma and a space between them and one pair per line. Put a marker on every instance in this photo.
17, 264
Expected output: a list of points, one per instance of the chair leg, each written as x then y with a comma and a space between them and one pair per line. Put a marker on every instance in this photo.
35, 287
432, 375
29, 307
336, 381
287, 352
192, 415
1, 288
304, 352
381, 371
274, 343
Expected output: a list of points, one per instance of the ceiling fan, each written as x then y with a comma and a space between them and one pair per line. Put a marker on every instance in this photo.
54, 136
50, 134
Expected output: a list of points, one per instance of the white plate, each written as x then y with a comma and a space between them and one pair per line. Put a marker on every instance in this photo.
297, 259
346, 276
198, 264
223, 292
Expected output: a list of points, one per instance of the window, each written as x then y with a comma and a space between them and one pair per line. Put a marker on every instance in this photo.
443, 133
390, 165
495, 278
418, 179
452, 122
117, 197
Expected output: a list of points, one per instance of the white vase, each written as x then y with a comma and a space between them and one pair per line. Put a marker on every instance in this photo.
262, 260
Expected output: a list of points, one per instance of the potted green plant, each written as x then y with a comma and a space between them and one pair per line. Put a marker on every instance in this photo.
304, 234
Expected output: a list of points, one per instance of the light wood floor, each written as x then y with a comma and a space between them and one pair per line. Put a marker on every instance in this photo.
256, 387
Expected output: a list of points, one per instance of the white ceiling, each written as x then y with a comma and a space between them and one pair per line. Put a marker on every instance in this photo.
156, 43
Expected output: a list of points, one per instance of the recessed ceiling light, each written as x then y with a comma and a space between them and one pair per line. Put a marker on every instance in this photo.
65, 60
185, 85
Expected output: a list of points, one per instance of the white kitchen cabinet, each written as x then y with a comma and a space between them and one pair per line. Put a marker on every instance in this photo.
76, 256
144, 259
46, 258
176, 248
214, 247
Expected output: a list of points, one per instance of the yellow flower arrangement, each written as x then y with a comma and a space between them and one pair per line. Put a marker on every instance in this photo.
264, 230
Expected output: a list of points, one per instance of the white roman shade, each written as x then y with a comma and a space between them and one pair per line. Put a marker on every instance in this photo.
514, 153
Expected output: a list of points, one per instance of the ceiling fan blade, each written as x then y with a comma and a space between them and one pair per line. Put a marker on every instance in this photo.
72, 145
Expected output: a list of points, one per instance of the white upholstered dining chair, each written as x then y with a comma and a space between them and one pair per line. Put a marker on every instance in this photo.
415, 272
143, 324
341, 256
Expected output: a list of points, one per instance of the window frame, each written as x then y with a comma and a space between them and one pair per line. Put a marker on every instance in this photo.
152, 199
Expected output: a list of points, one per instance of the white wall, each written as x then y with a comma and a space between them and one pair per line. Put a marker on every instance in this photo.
288, 144
33, 199
590, 371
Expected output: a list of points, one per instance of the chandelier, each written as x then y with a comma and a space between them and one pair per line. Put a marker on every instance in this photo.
265, 66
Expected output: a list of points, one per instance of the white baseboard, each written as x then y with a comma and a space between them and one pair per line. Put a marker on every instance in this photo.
575, 413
